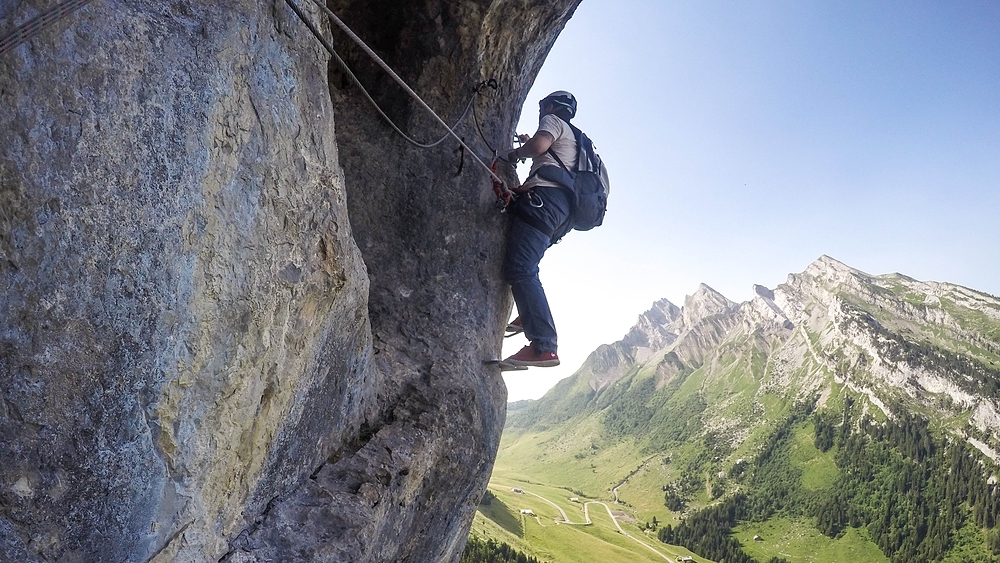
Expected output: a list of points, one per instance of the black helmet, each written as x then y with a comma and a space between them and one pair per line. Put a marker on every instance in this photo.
562, 99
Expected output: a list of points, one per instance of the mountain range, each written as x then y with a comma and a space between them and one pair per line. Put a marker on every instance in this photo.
853, 409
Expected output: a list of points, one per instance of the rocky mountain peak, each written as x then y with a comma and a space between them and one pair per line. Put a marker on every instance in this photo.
652, 329
762, 310
910, 365
892, 341
651, 332
828, 273
819, 284
704, 303
825, 265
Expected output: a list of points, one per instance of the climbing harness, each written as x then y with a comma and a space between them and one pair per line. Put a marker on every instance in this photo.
321, 4
39, 23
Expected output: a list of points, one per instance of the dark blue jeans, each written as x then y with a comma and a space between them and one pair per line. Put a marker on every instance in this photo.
526, 245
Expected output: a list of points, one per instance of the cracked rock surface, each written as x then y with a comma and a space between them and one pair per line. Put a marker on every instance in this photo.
240, 318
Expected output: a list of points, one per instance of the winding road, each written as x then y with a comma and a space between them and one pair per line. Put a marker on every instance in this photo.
586, 516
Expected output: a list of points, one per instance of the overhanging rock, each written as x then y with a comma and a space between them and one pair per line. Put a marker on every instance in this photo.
240, 318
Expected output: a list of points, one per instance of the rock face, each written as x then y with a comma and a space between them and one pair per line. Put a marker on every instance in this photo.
893, 338
240, 319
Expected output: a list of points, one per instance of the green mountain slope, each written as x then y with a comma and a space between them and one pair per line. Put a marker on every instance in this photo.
840, 417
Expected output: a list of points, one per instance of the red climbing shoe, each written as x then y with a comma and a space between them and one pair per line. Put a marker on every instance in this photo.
530, 358
514, 328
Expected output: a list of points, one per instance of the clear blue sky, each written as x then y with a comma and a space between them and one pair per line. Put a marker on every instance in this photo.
746, 139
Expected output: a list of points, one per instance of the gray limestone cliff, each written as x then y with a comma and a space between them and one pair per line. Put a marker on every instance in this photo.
240, 319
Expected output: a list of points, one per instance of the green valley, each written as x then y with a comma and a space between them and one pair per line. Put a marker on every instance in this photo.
841, 417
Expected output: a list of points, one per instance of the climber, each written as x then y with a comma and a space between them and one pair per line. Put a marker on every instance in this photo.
541, 216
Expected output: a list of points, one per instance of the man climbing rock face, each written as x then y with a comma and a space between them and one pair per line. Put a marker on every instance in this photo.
540, 216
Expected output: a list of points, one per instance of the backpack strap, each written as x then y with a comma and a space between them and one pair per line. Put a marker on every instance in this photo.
559, 160
579, 146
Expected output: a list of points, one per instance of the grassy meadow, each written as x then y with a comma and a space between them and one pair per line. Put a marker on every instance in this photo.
546, 540
573, 460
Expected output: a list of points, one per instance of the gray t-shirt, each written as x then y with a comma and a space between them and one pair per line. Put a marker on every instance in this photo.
563, 144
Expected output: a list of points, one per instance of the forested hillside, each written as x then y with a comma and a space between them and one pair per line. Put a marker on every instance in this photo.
912, 492
490, 551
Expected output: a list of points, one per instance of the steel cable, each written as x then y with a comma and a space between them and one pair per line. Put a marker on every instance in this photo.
39, 23
322, 5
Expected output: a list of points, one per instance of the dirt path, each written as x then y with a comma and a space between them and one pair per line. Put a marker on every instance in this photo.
614, 490
565, 519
